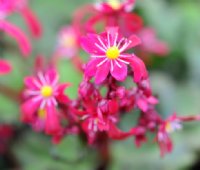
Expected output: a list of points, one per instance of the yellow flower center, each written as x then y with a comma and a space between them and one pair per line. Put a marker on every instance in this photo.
41, 113
168, 127
47, 91
112, 52
69, 41
115, 4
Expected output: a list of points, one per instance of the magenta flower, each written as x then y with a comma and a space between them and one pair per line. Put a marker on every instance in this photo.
170, 125
67, 42
5, 67
43, 94
110, 6
108, 54
151, 44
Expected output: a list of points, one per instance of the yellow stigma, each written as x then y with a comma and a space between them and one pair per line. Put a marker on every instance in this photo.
168, 127
41, 113
112, 52
115, 4
69, 41
46, 91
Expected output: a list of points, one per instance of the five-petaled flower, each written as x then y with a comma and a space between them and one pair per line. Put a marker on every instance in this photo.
42, 95
108, 54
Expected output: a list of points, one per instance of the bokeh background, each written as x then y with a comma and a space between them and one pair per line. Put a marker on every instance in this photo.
175, 79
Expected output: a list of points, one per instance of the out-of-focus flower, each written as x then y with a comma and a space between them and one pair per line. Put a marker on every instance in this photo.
110, 13
110, 6
151, 44
107, 51
5, 67
170, 125
43, 94
67, 42
7, 7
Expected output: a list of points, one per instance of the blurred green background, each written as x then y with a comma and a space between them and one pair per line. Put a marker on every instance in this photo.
175, 79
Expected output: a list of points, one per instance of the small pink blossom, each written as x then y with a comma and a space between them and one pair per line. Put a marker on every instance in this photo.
168, 126
151, 44
67, 42
107, 51
42, 96
110, 6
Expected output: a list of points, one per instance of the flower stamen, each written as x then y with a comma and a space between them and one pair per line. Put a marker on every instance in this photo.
46, 91
112, 52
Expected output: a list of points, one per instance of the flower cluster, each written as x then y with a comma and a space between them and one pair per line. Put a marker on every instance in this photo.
116, 50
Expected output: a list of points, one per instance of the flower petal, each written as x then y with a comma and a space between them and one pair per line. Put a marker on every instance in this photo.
5, 67
32, 22
16, 33
135, 40
119, 73
102, 72
91, 67
116, 133
29, 82
89, 42
52, 125
28, 109
138, 67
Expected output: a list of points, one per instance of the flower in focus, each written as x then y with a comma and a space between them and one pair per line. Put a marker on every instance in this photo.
108, 54
43, 93
5, 67
67, 42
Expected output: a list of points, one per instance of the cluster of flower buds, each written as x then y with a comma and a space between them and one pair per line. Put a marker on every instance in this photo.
115, 40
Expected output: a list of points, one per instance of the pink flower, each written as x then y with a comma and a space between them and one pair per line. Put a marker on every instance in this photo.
107, 51
151, 44
173, 123
43, 94
67, 42
110, 13
115, 5
168, 126
5, 67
